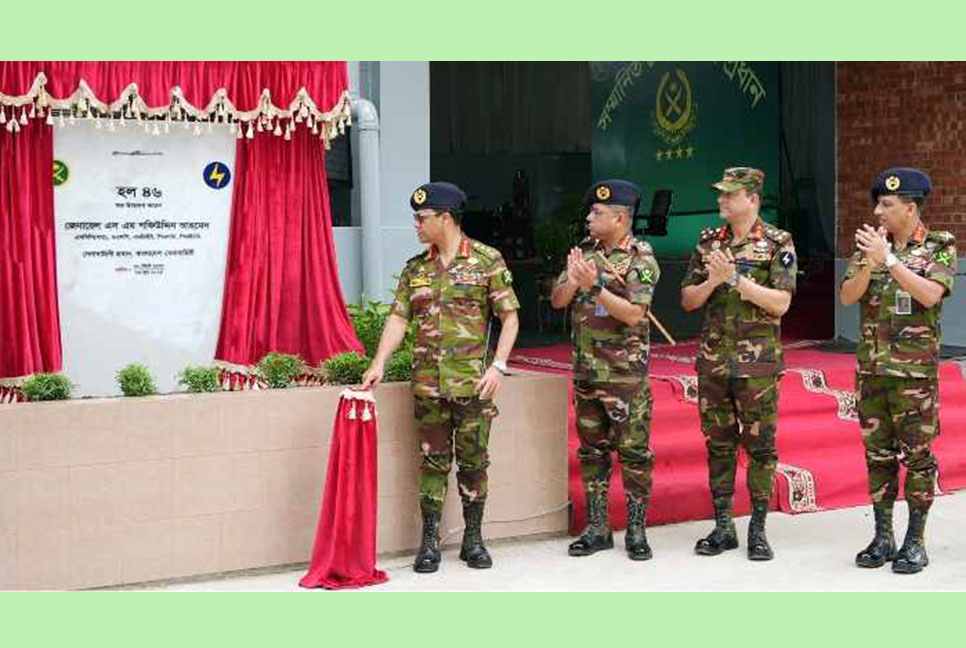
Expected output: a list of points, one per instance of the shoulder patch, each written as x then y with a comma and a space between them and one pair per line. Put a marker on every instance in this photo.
642, 247
485, 251
416, 257
777, 235
942, 237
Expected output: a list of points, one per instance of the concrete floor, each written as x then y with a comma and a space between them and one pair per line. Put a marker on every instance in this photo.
814, 552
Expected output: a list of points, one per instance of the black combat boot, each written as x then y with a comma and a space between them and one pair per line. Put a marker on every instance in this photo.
597, 535
724, 536
911, 557
882, 549
635, 540
473, 552
758, 547
427, 558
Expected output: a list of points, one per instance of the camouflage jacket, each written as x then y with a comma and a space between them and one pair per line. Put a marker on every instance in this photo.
452, 308
604, 348
892, 343
739, 339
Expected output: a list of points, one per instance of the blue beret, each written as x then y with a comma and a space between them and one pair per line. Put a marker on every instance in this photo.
438, 195
901, 181
614, 192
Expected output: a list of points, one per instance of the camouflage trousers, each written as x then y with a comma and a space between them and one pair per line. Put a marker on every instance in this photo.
899, 419
615, 416
739, 411
441, 423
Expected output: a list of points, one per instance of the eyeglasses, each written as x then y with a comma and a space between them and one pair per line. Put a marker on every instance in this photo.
420, 217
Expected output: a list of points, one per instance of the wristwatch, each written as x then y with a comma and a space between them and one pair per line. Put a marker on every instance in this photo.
733, 279
891, 260
595, 290
500, 366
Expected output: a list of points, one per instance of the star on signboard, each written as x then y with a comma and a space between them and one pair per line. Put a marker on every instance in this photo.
668, 154
690, 151
680, 153
659, 155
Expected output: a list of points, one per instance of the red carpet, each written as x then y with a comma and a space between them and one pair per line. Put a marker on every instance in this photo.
822, 465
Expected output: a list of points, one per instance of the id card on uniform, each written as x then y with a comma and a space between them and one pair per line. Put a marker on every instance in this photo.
903, 303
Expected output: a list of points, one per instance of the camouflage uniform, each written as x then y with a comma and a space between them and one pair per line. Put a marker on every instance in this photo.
896, 378
740, 361
610, 358
452, 308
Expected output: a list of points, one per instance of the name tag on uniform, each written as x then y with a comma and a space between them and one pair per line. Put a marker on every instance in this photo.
903, 303
420, 282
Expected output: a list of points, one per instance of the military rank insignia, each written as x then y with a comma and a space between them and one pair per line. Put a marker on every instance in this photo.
507, 276
419, 196
786, 259
892, 183
603, 192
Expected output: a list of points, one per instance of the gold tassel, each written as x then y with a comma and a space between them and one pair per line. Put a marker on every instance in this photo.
352, 411
278, 129
251, 131
3, 115
23, 116
366, 416
33, 111
50, 119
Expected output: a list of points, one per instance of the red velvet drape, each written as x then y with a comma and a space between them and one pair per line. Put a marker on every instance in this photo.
29, 320
282, 288
344, 554
243, 81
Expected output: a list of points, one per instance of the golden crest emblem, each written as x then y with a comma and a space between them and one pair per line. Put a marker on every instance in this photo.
603, 192
675, 110
419, 196
892, 183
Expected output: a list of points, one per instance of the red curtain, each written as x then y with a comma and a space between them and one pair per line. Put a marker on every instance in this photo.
282, 290
344, 554
29, 320
325, 81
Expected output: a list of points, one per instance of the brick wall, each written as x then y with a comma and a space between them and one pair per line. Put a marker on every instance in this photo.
901, 114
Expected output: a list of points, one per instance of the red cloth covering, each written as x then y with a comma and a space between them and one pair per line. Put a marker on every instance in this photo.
29, 314
282, 289
345, 540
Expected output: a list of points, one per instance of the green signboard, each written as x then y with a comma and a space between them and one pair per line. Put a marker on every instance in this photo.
676, 126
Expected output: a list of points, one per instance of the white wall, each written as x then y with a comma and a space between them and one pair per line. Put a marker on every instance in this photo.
402, 90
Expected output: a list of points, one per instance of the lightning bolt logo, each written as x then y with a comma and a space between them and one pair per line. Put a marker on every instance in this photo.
216, 175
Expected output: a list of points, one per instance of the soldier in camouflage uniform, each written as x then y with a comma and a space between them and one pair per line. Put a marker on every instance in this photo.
610, 281
743, 275
450, 290
900, 274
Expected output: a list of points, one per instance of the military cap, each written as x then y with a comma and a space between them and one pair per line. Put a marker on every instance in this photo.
901, 181
735, 178
614, 192
438, 195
